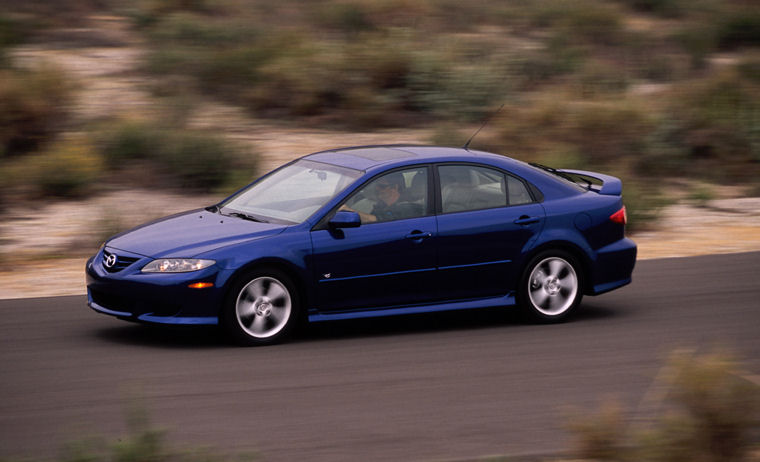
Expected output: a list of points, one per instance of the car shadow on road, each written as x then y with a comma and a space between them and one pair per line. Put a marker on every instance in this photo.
213, 337
503, 318
163, 336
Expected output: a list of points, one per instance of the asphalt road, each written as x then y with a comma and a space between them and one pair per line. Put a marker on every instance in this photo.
444, 386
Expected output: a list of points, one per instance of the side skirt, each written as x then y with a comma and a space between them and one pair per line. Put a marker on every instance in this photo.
491, 302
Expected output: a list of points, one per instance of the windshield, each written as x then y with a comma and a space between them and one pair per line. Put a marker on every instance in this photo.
292, 193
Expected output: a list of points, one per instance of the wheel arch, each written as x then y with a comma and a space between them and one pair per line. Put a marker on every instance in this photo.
291, 271
566, 246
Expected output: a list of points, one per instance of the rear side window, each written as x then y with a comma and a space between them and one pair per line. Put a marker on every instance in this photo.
470, 187
518, 192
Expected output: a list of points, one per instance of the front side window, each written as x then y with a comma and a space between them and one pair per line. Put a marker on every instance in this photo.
470, 187
292, 193
393, 196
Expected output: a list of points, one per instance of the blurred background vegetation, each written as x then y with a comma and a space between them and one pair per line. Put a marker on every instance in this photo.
642, 89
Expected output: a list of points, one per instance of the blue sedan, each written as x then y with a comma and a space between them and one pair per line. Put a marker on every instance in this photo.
372, 231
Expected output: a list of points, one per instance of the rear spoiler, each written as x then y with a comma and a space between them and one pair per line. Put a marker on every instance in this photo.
610, 185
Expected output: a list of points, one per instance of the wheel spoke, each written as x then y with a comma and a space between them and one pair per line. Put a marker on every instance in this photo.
278, 315
567, 284
255, 290
246, 312
552, 303
539, 296
276, 292
258, 324
555, 268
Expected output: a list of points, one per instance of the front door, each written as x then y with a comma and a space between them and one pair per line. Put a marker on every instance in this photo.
388, 261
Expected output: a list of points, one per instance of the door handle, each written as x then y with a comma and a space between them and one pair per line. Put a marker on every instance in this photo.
417, 235
526, 220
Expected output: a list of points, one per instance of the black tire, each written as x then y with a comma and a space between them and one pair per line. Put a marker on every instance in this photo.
551, 286
262, 308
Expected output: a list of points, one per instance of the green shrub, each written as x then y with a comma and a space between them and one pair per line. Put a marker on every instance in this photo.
600, 436
12, 32
146, 13
66, 169
600, 78
644, 200
201, 161
718, 122
460, 93
701, 194
600, 133
529, 68
219, 53
715, 415
749, 69
712, 417
201, 31
143, 442
128, 140
350, 17
197, 159
609, 132
33, 106
664, 8
741, 28
699, 40
584, 21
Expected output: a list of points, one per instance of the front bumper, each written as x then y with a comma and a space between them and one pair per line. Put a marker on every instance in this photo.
154, 298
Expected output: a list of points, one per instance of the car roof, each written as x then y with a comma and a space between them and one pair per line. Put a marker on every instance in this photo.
367, 157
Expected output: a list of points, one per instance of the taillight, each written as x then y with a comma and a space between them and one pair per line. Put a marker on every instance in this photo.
620, 217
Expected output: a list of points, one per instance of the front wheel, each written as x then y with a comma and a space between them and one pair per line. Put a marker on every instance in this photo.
261, 309
551, 286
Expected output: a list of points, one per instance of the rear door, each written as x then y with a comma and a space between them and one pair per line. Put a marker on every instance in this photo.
486, 218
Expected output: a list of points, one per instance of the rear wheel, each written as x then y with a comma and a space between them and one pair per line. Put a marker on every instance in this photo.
262, 308
551, 286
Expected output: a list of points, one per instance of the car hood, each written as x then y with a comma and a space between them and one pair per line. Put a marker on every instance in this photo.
189, 234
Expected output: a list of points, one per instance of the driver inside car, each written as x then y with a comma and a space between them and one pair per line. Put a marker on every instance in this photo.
387, 190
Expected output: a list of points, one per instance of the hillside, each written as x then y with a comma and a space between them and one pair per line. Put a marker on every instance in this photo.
115, 115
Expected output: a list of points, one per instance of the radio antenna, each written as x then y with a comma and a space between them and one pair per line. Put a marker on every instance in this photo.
466, 146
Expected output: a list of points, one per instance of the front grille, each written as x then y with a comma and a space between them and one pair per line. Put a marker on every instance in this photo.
119, 264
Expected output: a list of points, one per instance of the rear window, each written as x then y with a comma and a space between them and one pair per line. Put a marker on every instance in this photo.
553, 173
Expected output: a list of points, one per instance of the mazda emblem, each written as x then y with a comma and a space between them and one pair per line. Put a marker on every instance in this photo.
110, 261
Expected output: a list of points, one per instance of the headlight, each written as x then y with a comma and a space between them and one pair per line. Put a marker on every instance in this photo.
176, 265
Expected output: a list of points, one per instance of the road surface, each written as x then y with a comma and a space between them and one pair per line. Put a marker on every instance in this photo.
444, 386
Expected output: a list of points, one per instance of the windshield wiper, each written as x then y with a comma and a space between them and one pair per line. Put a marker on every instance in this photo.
245, 216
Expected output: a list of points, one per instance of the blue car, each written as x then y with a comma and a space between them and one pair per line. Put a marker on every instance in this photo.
372, 231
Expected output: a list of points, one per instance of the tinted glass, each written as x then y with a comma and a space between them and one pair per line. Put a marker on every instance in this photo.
294, 192
467, 187
393, 196
518, 192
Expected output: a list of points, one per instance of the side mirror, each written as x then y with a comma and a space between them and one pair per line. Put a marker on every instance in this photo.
345, 219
